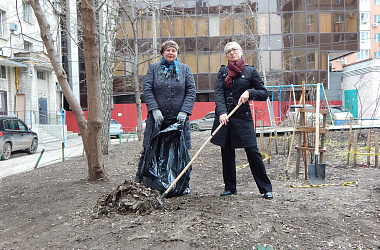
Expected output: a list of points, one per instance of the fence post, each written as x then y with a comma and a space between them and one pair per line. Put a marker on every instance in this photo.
355, 147
349, 143
369, 148
376, 149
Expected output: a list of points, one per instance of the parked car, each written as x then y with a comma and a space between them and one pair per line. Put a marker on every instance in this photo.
15, 135
340, 114
204, 123
115, 129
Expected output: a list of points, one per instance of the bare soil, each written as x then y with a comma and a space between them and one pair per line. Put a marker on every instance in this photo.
54, 207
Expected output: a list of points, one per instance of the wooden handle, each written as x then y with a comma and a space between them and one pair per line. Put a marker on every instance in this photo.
317, 119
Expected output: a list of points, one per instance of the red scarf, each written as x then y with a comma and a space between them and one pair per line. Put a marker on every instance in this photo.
234, 69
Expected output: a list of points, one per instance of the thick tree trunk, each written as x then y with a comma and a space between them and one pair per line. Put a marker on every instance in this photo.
59, 71
108, 16
95, 120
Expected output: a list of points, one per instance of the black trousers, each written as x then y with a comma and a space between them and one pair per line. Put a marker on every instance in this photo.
256, 164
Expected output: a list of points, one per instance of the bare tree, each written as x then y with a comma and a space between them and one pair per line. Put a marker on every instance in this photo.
95, 118
91, 131
128, 50
108, 18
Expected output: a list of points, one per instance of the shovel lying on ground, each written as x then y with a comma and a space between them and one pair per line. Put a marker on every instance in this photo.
316, 171
160, 199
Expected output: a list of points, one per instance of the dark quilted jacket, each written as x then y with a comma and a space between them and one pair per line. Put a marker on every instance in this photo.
170, 96
242, 130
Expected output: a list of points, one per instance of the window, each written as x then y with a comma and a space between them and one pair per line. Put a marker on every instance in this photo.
3, 102
27, 12
40, 75
310, 19
376, 37
339, 18
22, 126
364, 17
3, 72
376, 2
1, 24
376, 18
363, 54
376, 54
27, 46
364, 35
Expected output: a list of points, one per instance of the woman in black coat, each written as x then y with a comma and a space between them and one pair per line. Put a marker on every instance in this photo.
169, 93
237, 83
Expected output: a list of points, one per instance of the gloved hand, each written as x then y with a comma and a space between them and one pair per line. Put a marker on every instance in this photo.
158, 117
181, 117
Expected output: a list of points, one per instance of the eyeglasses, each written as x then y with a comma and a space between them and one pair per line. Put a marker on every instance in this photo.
231, 51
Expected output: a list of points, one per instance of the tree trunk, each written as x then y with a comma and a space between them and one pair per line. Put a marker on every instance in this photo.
59, 71
108, 16
91, 54
136, 78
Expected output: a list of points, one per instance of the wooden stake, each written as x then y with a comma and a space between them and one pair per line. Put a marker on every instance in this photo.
369, 148
276, 141
376, 149
349, 143
355, 147
270, 147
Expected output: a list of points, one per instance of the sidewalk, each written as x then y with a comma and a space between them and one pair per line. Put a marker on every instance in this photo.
21, 162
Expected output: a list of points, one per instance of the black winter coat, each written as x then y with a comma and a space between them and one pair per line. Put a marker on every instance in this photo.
240, 125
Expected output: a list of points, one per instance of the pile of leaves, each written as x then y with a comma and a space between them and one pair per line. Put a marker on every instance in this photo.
129, 197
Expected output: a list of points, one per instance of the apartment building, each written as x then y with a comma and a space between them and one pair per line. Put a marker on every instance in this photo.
357, 74
28, 85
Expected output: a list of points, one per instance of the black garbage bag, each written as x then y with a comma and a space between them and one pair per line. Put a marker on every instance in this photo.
165, 158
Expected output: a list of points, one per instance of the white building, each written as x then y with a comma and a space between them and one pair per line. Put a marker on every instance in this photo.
361, 87
28, 85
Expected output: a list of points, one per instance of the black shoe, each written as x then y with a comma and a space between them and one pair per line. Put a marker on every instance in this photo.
268, 195
227, 192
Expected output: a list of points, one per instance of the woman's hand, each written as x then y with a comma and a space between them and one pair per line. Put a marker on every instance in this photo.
223, 119
244, 97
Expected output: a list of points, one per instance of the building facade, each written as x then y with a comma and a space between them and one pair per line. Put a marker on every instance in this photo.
28, 85
287, 41
369, 28
361, 88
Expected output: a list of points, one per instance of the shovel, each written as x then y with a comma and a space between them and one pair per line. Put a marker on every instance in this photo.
160, 199
316, 171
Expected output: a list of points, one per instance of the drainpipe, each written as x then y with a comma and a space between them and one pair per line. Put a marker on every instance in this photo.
17, 81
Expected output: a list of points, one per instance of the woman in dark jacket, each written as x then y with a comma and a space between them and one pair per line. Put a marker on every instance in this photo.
237, 83
169, 93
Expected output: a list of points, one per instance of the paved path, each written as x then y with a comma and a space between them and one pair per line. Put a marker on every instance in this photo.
21, 161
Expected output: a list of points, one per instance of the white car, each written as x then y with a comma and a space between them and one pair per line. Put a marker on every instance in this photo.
115, 129
340, 114
204, 123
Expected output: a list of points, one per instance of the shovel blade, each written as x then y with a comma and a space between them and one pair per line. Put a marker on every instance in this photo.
316, 173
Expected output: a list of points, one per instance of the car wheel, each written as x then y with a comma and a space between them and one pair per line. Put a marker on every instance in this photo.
194, 127
33, 146
7, 150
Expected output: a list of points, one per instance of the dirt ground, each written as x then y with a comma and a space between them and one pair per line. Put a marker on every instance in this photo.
54, 207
